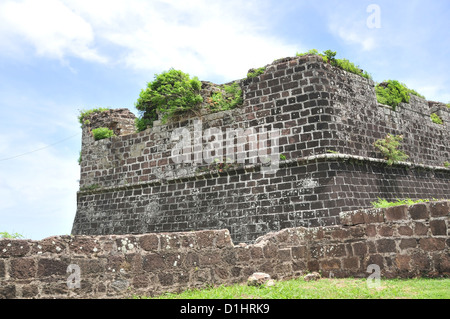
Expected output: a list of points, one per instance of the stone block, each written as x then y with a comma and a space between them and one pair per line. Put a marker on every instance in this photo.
371, 230
442, 263
419, 211
432, 244
256, 252
385, 231
402, 262
439, 209
330, 264
83, 245
14, 247
374, 259
340, 234
209, 258
149, 242
396, 213
438, 227
408, 243
405, 231
420, 229
420, 262
359, 249
223, 239
7, 292
351, 263
205, 238
23, 268
312, 276
299, 252
55, 245
165, 279
335, 250
258, 279
51, 267
30, 291
153, 263
313, 265
386, 245
283, 254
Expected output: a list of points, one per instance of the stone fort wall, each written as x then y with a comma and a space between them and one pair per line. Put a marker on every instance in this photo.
403, 241
328, 120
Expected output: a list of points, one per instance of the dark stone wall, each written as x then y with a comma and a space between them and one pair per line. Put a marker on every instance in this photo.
250, 204
328, 119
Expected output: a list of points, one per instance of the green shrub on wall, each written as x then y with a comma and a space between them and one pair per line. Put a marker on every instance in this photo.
328, 56
255, 72
102, 133
389, 148
11, 236
436, 119
393, 93
226, 100
171, 93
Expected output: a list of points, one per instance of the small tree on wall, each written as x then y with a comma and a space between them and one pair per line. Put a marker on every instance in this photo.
172, 92
102, 133
389, 148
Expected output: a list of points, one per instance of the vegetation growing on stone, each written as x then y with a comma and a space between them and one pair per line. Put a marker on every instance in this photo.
392, 93
436, 119
310, 52
102, 133
11, 236
89, 187
255, 72
328, 56
383, 203
86, 113
389, 148
226, 100
171, 93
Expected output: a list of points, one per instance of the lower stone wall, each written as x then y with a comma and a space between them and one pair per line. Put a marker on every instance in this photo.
308, 192
404, 241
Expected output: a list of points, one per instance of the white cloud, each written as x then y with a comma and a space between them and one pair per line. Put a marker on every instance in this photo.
204, 38
349, 22
434, 89
39, 178
354, 35
40, 186
52, 28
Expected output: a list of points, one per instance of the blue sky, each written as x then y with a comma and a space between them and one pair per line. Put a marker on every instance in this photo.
60, 56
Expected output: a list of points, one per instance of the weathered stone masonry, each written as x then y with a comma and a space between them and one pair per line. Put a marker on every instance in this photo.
329, 120
403, 241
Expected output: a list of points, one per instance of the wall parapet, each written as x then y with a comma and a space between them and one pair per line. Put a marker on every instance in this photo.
404, 241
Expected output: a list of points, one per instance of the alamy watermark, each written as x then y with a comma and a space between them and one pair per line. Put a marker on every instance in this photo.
374, 19
374, 280
213, 145
74, 280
